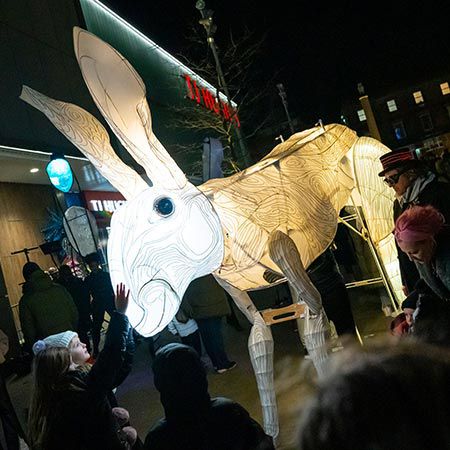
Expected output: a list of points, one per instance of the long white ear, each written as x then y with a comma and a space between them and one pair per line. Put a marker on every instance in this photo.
90, 137
119, 93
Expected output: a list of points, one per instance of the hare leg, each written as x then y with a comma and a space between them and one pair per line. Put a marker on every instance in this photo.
285, 254
260, 347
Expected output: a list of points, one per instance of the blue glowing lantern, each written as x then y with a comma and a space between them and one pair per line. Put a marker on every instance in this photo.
60, 173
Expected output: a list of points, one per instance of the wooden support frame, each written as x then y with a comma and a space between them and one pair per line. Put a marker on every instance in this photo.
272, 316
364, 234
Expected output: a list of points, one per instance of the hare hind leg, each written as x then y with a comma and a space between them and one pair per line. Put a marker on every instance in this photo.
285, 254
260, 347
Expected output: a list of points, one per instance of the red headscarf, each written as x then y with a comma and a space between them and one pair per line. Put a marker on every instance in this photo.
418, 224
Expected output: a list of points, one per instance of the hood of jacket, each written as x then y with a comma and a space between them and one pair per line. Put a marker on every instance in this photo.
40, 281
27, 288
180, 377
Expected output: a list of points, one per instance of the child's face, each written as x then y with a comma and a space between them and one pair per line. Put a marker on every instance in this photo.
78, 351
409, 315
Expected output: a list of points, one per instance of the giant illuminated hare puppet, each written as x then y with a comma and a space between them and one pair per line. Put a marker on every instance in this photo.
265, 223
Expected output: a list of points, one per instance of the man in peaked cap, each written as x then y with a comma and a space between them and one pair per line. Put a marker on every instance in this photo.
414, 184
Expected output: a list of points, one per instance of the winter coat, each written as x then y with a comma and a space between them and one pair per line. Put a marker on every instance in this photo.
436, 194
82, 418
205, 298
80, 295
436, 274
45, 308
99, 285
194, 421
325, 274
12, 428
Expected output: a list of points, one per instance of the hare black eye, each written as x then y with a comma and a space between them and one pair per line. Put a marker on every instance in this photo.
164, 206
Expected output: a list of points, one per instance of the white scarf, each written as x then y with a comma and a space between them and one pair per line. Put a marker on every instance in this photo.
412, 192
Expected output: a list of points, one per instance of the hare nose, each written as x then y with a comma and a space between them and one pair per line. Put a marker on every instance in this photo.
158, 304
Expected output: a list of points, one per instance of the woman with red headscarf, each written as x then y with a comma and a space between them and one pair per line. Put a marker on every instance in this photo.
421, 234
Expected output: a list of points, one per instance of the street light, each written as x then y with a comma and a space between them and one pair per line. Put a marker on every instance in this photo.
283, 96
211, 28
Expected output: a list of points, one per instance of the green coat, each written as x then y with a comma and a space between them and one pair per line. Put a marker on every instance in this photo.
205, 298
45, 308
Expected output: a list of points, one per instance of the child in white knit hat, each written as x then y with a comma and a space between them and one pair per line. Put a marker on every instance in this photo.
71, 403
69, 340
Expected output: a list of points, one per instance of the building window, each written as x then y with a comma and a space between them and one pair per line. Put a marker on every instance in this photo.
418, 97
399, 130
361, 115
392, 106
425, 120
445, 88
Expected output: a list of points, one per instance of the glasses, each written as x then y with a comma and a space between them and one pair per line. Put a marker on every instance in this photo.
393, 179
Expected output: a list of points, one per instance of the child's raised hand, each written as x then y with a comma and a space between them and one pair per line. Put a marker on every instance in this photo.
121, 299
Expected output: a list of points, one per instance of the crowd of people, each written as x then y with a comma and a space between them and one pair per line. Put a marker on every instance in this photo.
394, 394
73, 377
421, 213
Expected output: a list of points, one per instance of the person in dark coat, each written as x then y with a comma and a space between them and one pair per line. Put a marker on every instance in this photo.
414, 184
206, 302
70, 406
432, 321
99, 285
325, 275
10, 427
80, 295
45, 307
194, 421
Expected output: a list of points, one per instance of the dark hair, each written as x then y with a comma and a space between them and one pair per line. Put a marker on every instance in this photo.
180, 377
373, 391
92, 258
29, 268
65, 271
415, 166
411, 300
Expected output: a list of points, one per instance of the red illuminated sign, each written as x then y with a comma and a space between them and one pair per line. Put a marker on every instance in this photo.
205, 98
103, 201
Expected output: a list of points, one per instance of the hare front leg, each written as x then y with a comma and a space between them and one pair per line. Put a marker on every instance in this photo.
284, 253
260, 347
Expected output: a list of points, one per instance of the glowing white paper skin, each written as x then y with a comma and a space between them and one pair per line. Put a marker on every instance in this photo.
376, 202
274, 217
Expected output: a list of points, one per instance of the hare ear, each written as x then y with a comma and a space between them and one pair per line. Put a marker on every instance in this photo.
119, 93
89, 136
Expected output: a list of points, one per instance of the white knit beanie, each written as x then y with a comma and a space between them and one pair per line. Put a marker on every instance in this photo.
55, 340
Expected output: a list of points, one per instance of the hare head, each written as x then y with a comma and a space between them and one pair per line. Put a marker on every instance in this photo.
166, 234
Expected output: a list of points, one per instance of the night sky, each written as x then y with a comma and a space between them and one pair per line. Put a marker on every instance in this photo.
320, 52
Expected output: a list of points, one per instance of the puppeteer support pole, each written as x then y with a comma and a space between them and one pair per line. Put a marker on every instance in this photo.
366, 236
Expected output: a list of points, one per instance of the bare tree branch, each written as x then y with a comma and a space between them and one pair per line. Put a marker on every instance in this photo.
248, 89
